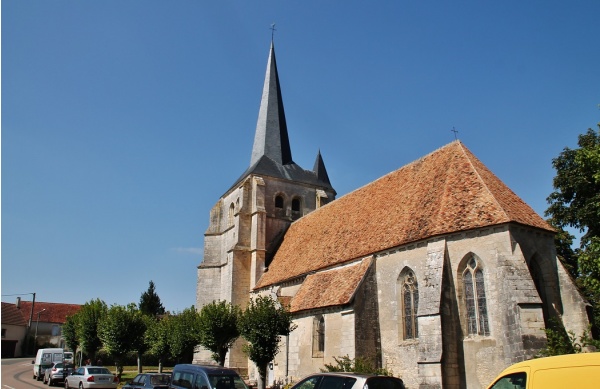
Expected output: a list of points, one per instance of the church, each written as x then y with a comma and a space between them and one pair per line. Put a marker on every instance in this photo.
437, 271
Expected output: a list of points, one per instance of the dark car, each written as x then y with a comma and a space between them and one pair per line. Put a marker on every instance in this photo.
348, 381
55, 373
205, 377
149, 380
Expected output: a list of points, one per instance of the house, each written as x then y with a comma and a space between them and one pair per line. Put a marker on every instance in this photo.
436, 271
14, 328
46, 324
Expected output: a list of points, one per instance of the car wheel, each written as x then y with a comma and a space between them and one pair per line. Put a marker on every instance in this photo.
50, 383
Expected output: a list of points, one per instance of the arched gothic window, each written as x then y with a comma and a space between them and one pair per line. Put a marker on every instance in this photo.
475, 301
409, 303
318, 337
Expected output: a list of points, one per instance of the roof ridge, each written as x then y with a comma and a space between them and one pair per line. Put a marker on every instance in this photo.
483, 181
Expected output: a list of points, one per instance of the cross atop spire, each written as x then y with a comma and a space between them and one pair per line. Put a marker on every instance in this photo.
273, 29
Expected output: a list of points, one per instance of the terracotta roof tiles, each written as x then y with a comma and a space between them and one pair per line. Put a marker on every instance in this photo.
447, 191
330, 287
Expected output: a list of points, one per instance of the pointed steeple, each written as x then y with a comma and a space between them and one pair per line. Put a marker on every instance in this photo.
319, 169
271, 137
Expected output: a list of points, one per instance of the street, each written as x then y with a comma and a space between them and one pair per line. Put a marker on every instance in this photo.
17, 373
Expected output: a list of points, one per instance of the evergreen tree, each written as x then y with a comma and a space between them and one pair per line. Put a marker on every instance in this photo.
150, 302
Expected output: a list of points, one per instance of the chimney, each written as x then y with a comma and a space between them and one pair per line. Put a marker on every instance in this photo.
18, 303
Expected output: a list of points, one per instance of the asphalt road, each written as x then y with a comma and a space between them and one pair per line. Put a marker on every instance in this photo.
17, 373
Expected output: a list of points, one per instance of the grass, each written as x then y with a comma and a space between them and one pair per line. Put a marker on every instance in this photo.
129, 372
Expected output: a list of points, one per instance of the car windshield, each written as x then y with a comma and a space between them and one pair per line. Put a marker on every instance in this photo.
334, 382
226, 382
98, 370
160, 379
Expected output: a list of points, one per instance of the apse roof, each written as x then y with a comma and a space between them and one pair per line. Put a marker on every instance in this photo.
446, 191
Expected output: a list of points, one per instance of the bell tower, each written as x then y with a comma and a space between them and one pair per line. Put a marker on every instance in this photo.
251, 218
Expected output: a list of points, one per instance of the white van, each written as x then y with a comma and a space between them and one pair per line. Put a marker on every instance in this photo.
44, 359
68, 357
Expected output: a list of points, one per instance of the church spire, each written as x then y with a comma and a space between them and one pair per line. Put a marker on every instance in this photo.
271, 137
320, 171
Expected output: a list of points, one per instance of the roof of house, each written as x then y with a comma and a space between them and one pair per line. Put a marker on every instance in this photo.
50, 312
12, 315
446, 191
331, 287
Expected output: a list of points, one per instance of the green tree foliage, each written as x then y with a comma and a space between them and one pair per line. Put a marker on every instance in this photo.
88, 319
183, 330
121, 331
69, 331
150, 302
157, 339
218, 328
357, 365
262, 324
575, 202
589, 267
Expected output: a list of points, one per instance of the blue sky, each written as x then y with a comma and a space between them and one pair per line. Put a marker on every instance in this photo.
123, 122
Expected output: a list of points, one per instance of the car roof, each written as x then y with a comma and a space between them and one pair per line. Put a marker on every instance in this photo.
205, 368
558, 361
349, 374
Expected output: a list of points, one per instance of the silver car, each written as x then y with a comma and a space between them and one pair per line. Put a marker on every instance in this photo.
348, 381
91, 377
56, 373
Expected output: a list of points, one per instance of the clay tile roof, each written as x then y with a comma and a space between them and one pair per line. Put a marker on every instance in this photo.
330, 287
447, 191
12, 315
54, 312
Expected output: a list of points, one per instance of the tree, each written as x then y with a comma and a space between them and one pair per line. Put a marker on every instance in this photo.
69, 330
218, 328
150, 302
262, 324
121, 331
89, 317
183, 330
575, 201
157, 339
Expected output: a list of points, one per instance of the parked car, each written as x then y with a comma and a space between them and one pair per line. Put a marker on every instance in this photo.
349, 381
149, 380
581, 371
56, 373
187, 376
44, 359
91, 377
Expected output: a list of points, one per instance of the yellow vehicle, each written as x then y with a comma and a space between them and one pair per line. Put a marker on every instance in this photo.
581, 371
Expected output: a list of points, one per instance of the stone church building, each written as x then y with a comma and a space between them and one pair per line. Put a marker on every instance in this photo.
436, 271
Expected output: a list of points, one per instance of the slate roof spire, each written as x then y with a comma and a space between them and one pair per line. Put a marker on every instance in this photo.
271, 137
